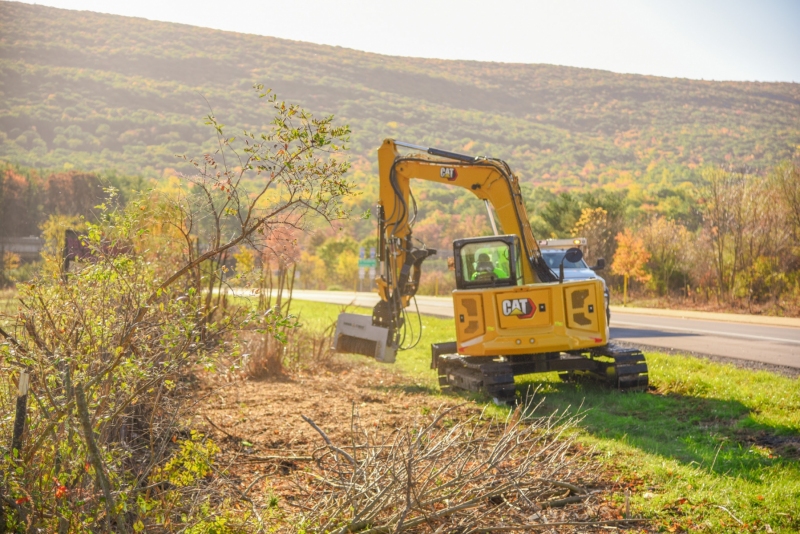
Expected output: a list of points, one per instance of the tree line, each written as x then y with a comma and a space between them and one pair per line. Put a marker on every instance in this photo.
738, 245
729, 240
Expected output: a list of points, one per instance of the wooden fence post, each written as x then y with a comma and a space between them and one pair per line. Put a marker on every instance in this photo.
16, 438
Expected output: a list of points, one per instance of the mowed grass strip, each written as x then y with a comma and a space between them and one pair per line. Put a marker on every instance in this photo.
710, 448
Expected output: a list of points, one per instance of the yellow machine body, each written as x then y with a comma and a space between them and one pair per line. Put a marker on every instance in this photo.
530, 319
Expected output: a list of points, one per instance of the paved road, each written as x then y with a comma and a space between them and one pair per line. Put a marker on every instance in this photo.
774, 345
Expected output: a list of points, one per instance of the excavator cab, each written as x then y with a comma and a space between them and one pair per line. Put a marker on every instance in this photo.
493, 261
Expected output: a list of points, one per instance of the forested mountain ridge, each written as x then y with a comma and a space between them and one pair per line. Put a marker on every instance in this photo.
93, 91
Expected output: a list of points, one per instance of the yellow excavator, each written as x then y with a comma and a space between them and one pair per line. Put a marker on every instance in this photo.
513, 314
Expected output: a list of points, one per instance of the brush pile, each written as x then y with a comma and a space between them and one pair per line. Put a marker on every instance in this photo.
452, 473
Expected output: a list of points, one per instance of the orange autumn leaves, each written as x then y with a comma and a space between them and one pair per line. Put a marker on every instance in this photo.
631, 257
630, 260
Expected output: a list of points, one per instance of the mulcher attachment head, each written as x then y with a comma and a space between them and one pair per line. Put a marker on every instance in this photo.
355, 334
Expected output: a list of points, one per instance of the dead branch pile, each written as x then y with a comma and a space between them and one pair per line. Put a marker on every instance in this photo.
473, 475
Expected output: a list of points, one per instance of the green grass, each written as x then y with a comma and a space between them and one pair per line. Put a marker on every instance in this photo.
8, 305
704, 439
710, 436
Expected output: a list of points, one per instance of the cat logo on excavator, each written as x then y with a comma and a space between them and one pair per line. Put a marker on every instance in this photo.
448, 172
521, 308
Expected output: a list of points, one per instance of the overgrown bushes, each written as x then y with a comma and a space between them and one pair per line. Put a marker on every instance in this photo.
110, 357
112, 347
744, 253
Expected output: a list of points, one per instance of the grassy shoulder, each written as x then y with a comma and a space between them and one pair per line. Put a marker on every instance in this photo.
710, 448
8, 305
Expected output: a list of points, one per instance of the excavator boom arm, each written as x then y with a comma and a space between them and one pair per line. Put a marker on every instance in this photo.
488, 179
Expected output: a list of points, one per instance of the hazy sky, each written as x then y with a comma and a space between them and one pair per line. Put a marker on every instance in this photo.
710, 39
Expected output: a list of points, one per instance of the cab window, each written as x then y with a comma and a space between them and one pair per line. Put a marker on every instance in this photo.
487, 261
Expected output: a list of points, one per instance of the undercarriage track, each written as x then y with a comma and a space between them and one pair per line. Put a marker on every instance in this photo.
620, 368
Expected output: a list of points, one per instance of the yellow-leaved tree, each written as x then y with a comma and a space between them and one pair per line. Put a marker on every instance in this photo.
347, 269
594, 226
668, 243
245, 264
313, 272
629, 260
54, 234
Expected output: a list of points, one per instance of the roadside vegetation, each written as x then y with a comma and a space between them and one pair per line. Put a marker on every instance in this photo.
731, 242
100, 361
710, 448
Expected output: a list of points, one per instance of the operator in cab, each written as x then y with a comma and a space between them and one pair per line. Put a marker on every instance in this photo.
484, 267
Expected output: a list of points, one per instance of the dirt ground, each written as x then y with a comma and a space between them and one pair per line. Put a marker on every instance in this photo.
267, 413
264, 439
255, 421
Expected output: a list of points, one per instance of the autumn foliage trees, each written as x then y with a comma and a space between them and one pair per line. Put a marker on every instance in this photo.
750, 231
730, 240
629, 260
27, 198
743, 252
669, 248
99, 91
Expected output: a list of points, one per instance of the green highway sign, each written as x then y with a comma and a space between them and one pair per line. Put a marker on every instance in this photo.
370, 262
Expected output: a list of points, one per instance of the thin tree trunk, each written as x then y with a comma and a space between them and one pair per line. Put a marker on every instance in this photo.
281, 282
625, 290
291, 288
95, 459
223, 259
269, 280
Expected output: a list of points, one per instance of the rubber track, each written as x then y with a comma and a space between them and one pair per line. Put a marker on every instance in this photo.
626, 371
483, 375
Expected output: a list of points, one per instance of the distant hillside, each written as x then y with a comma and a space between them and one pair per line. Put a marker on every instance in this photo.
94, 91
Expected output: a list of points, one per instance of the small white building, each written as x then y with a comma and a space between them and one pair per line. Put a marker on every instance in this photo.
27, 248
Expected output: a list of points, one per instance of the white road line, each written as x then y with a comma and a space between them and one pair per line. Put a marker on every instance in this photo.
712, 332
